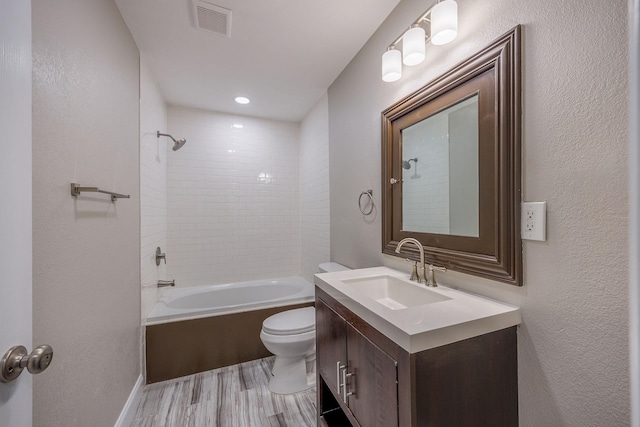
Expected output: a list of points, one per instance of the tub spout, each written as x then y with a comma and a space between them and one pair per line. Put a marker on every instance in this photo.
163, 283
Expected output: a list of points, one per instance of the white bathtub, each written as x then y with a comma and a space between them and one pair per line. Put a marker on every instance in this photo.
213, 300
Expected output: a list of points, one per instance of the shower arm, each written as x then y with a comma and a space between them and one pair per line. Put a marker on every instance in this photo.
158, 135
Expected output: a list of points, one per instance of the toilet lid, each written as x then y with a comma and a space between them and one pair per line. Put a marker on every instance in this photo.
290, 322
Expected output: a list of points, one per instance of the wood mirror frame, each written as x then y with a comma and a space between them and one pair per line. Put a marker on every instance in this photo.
495, 75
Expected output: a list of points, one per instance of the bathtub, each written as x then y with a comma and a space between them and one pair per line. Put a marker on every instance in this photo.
201, 328
203, 301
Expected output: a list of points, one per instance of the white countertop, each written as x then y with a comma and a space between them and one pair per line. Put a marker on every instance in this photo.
460, 316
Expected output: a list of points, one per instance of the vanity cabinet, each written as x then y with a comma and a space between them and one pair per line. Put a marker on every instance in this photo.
472, 382
356, 371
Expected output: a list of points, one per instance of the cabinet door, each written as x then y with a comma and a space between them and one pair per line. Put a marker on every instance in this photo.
331, 344
373, 382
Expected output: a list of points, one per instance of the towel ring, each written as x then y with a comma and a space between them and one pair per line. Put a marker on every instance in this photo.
370, 194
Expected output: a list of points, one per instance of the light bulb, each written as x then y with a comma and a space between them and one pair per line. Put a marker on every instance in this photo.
444, 22
391, 65
413, 46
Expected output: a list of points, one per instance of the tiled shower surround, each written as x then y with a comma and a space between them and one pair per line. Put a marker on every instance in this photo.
153, 187
233, 198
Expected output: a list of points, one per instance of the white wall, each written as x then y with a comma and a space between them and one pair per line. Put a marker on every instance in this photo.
233, 199
573, 343
153, 186
314, 188
634, 195
86, 252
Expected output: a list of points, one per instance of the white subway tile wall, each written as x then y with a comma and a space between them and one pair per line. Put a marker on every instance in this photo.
233, 198
153, 187
314, 188
432, 167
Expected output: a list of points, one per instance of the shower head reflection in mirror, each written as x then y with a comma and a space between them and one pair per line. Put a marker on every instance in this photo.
407, 163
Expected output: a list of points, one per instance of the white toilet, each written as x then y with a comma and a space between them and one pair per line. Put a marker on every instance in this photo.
291, 337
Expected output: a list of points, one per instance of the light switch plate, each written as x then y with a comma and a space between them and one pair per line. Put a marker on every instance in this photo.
534, 221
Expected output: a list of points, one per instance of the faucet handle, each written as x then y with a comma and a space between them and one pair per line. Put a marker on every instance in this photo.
431, 277
414, 273
441, 269
160, 255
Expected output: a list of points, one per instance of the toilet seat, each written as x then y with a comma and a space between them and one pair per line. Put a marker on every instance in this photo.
291, 322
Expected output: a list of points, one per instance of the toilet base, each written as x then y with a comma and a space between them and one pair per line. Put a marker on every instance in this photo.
289, 375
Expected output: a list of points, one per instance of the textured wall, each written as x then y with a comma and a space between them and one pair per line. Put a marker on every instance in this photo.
153, 186
233, 199
573, 343
314, 189
86, 252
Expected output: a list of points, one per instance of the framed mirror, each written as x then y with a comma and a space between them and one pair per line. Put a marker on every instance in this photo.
451, 166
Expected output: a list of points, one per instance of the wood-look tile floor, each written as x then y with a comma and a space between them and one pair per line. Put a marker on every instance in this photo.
233, 396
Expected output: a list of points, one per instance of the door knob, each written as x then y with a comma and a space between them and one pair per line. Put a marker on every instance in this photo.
16, 359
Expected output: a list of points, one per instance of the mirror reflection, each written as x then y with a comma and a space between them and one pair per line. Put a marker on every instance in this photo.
440, 184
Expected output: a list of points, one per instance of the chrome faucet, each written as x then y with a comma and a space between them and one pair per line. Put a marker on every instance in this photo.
421, 278
428, 274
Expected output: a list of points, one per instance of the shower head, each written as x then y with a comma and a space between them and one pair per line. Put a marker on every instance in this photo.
406, 164
176, 144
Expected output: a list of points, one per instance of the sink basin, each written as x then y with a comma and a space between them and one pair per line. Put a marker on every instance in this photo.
394, 293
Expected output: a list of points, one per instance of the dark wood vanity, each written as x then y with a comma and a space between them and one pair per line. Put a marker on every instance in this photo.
472, 382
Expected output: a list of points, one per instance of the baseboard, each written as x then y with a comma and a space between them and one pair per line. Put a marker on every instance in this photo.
129, 410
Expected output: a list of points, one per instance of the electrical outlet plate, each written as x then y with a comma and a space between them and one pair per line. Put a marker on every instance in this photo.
534, 221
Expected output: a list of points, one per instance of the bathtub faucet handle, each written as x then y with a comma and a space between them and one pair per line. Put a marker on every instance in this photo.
163, 283
160, 255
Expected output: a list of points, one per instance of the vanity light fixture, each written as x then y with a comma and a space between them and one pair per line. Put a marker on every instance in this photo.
391, 65
442, 21
413, 43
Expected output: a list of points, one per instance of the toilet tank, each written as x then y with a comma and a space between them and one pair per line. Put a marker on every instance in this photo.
330, 267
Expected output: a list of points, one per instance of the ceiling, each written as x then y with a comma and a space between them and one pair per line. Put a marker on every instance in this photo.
282, 54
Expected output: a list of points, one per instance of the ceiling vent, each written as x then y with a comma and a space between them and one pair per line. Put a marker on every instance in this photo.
212, 18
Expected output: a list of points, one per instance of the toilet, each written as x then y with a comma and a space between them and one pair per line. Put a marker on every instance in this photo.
291, 336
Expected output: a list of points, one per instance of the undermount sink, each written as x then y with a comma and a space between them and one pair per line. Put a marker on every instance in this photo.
394, 293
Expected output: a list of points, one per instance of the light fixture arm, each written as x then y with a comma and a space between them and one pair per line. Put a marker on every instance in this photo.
438, 25
425, 17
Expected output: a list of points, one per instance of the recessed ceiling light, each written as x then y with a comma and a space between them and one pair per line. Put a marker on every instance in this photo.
242, 100
237, 125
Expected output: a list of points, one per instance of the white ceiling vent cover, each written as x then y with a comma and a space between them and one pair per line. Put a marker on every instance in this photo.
212, 18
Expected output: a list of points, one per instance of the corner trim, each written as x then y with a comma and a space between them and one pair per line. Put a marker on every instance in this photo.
130, 407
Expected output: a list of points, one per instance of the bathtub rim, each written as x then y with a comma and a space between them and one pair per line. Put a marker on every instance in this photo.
170, 294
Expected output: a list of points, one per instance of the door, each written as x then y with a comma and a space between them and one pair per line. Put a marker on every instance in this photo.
331, 345
15, 207
373, 384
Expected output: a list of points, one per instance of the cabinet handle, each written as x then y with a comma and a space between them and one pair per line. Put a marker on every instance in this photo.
345, 375
339, 367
